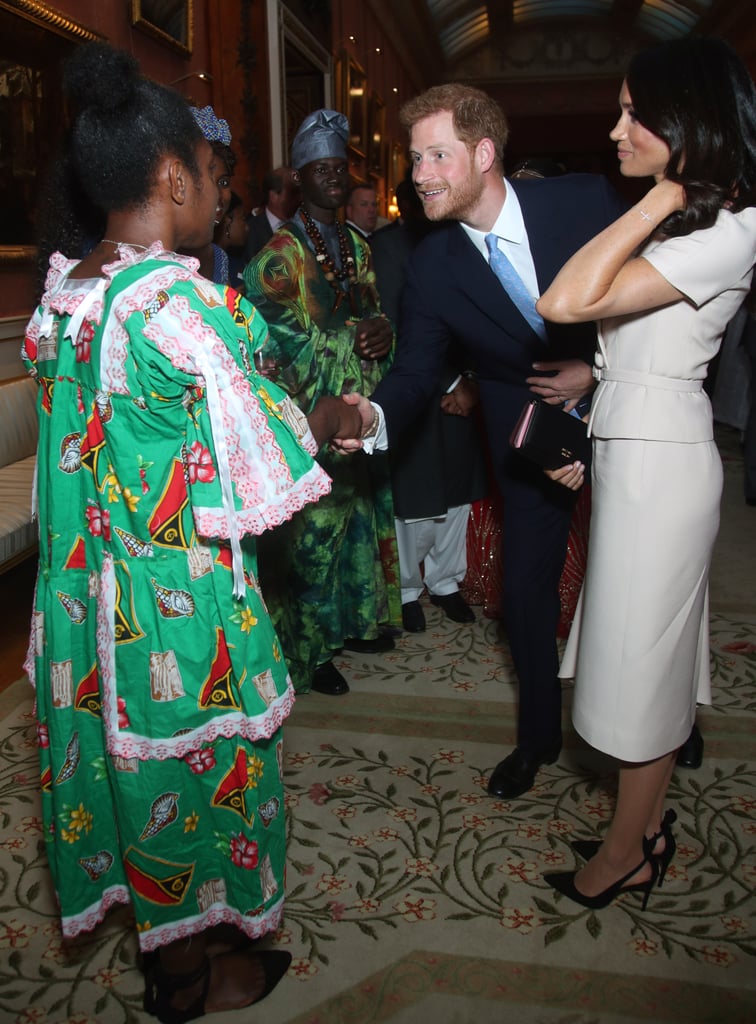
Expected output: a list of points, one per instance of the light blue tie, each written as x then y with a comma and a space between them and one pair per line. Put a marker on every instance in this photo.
514, 286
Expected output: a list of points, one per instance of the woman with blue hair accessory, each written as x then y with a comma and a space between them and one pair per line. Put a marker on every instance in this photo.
213, 258
161, 691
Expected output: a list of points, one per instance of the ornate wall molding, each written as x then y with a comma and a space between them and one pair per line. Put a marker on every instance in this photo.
51, 19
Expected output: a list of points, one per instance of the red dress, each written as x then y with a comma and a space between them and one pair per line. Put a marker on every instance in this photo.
483, 583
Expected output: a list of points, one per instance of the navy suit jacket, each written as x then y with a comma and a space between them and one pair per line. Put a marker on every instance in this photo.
451, 293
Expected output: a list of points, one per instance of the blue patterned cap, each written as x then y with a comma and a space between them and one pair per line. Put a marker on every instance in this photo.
215, 129
322, 134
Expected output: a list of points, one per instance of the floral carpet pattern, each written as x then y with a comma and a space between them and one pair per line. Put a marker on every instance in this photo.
411, 894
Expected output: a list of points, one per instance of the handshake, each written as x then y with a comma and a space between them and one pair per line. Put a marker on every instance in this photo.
343, 422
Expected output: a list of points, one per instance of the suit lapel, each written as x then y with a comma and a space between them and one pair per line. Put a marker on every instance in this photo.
541, 225
473, 274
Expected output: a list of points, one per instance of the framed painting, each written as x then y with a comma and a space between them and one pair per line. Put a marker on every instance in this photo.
168, 21
376, 148
356, 107
34, 41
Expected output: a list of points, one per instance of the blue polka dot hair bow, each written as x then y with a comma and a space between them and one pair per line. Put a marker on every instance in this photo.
215, 129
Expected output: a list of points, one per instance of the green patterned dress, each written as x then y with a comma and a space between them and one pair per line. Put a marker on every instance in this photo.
335, 571
160, 684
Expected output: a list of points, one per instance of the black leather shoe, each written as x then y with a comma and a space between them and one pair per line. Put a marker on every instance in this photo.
413, 618
516, 774
379, 645
455, 606
690, 754
327, 679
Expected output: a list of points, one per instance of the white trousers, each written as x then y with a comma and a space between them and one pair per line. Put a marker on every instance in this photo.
441, 545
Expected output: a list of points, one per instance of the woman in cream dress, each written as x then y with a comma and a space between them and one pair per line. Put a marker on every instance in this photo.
664, 281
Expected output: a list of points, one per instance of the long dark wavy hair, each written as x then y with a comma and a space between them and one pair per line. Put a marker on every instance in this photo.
696, 95
122, 126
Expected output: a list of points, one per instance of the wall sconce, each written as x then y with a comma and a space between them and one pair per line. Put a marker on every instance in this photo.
204, 76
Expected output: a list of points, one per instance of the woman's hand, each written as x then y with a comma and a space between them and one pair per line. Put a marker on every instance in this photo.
571, 476
670, 194
333, 418
344, 441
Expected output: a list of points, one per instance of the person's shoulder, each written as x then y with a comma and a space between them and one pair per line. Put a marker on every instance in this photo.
439, 235
570, 193
732, 230
388, 238
560, 184
388, 229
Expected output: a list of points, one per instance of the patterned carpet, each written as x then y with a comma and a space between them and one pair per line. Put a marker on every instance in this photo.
412, 895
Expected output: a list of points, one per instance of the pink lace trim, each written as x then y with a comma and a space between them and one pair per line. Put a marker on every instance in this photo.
212, 522
253, 927
261, 727
88, 919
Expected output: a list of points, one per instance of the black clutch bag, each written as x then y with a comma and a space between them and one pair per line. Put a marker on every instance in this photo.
550, 437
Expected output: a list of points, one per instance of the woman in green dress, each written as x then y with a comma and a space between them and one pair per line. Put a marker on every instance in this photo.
161, 689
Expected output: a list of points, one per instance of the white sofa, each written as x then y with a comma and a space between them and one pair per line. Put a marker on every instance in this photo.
19, 431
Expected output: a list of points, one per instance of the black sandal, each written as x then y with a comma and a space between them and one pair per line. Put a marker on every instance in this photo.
160, 987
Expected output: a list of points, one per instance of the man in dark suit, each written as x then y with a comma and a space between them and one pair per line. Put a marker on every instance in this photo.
438, 468
281, 197
457, 140
361, 209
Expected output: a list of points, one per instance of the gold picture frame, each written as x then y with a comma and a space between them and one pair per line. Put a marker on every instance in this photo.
169, 21
34, 41
356, 108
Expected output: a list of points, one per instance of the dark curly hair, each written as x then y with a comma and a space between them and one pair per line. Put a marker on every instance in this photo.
225, 153
122, 126
696, 95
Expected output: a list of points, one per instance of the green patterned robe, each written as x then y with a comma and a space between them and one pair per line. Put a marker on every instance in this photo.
160, 685
332, 572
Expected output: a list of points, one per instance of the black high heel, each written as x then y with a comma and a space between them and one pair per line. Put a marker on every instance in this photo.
161, 986
588, 848
564, 882
664, 858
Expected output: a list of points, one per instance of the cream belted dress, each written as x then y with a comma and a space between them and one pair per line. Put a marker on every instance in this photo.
639, 649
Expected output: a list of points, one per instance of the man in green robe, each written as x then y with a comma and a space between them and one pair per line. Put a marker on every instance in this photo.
330, 576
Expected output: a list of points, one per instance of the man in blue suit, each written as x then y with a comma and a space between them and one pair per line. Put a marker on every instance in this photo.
457, 140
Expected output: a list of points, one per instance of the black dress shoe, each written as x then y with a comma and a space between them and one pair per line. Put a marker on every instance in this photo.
378, 645
455, 606
690, 754
327, 679
516, 774
413, 618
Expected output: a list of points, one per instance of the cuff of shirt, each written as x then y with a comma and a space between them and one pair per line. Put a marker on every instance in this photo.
379, 440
